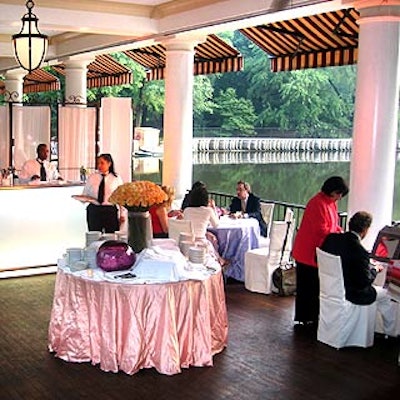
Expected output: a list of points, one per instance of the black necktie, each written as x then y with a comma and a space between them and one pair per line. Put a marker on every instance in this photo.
43, 176
100, 195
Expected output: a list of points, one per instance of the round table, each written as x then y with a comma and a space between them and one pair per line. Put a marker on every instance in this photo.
127, 327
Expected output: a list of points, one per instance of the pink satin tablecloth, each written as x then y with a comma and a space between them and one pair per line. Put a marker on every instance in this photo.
129, 327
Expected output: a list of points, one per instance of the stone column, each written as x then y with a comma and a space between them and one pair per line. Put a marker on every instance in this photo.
178, 114
13, 134
373, 160
75, 81
14, 85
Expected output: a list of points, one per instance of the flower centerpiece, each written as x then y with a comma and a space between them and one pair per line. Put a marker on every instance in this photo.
137, 197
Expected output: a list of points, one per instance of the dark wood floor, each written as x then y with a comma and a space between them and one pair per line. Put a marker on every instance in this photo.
265, 358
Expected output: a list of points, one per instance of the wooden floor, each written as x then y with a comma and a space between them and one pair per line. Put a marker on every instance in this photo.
265, 358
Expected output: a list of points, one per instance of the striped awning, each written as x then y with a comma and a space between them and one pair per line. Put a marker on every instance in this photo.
103, 71
40, 80
323, 40
212, 56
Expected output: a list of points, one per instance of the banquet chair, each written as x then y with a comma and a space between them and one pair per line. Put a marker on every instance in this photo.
259, 264
341, 323
267, 212
289, 215
178, 226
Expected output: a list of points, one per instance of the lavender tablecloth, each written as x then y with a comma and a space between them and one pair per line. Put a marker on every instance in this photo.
235, 237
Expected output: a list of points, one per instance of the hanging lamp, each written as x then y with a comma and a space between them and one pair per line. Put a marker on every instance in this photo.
30, 46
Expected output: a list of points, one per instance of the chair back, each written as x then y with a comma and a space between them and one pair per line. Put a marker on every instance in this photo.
278, 233
289, 215
267, 212
178, 226
330, 276
341, 323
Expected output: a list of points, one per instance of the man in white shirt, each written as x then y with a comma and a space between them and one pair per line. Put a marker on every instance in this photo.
39, 169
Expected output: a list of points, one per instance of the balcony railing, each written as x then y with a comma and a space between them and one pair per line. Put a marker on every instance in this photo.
224, 199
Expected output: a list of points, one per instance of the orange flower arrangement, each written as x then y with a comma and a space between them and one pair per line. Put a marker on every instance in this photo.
138, 196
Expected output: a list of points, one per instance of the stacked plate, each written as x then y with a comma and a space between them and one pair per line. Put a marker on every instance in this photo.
92, 236
184, 246
108, 236
90, 256
197, 255
74, 254
122, 236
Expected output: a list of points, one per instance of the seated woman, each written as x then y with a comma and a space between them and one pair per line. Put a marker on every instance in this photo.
159, 214
202, 213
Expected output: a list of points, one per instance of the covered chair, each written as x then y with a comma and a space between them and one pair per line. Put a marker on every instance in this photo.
289, 215
259, 264
267, 212
178, 226
341, 323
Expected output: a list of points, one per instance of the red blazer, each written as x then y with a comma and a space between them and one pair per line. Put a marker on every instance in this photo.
320, 218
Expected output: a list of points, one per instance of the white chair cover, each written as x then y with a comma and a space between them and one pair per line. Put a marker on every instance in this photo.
176, 226
267, 212
341, 323
289, 215
260, 263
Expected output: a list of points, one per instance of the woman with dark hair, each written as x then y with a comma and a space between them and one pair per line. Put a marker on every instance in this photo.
196, 185
199, 212
320, 218
102, 215
203, 213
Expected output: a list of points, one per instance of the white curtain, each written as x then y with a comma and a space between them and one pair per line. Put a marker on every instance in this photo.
116, 133
4, 138
31, 126
76, 140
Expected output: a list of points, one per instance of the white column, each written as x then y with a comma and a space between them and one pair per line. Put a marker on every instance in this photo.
14, 90
373, 160
178, 114
75, 80
14, 85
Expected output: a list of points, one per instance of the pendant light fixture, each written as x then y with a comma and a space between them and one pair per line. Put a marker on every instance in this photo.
30, 46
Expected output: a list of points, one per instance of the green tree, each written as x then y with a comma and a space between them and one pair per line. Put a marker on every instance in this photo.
203, 104
235, 115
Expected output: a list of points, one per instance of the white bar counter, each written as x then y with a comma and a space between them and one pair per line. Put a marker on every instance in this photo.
38, 222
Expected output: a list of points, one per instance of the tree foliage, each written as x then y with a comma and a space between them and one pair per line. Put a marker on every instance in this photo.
313, 102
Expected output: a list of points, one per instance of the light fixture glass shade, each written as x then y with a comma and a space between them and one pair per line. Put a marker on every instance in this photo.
30, 46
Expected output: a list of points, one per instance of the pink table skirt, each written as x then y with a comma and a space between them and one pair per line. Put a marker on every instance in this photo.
128, 327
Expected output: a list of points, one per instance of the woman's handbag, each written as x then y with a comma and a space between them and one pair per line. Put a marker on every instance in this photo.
284, 277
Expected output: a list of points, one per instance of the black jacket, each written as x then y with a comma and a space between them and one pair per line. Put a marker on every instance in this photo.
357, 272
253, 209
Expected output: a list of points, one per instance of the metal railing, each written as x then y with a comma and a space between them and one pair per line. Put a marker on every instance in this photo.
224, 200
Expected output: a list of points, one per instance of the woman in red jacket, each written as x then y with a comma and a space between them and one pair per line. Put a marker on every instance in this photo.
320, 218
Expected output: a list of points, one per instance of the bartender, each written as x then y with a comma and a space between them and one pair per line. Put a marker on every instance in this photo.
39, 169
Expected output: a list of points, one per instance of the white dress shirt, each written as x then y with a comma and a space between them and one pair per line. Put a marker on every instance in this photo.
32, 167
111, 182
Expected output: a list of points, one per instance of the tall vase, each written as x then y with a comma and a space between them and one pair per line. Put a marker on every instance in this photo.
139, 230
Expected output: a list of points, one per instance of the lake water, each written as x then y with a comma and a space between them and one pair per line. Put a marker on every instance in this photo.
292, 179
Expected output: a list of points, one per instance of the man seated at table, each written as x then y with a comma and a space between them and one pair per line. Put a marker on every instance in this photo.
39, 169
358, 272
247, 205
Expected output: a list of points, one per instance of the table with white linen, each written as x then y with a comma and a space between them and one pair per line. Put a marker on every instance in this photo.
235, 238
127, 325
